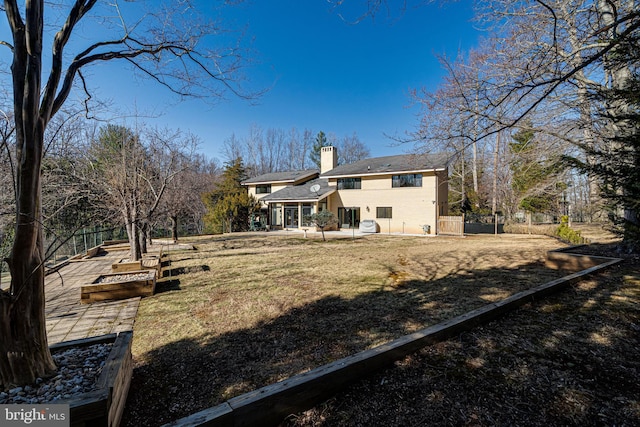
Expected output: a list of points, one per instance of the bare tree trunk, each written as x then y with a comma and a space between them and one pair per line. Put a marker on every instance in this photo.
174, 227
496, 161
24, 351
132, 235
475, 150
462, 186
143, 231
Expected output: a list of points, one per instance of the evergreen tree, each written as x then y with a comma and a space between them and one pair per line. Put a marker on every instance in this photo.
617, 168
316, 150
229, 206
534, 173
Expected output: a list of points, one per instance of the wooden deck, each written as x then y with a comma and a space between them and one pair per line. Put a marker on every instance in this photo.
68, 319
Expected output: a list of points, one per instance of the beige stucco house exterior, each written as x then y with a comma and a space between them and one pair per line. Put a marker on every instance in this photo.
393, 194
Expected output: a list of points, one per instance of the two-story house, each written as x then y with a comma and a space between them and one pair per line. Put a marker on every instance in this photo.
396, 194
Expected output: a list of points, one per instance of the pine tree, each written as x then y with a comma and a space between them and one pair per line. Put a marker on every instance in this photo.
534, 173
316, 150
229, 206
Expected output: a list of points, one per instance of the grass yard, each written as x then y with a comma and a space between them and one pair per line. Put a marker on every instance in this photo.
571, 359
243, 311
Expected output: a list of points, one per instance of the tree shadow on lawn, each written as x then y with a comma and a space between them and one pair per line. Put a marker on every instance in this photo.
571, 359
186, 376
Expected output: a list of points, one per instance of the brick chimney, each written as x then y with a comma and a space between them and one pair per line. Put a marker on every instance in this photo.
328, 159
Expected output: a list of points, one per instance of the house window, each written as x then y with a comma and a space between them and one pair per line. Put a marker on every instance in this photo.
263, 189
407, 180
307, 211
349, 183
349, 217
383, 212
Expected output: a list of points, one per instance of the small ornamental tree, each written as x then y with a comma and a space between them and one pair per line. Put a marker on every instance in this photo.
322, 220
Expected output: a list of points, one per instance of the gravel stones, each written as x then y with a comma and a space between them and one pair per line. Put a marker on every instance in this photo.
78, 372
124, 277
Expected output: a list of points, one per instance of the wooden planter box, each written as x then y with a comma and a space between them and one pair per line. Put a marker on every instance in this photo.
153, 262
122, 289
126, 266
103, 406
149, 262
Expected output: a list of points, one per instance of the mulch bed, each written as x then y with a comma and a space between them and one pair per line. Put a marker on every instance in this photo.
572, 359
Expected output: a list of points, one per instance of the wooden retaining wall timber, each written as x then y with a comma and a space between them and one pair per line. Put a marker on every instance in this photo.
269, 405
567, 259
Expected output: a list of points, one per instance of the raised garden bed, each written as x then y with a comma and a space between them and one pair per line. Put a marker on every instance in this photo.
124, 266
148, 262
116, 286
104, 405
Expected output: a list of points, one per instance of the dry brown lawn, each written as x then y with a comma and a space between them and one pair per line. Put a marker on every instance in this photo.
243, 311
572, 359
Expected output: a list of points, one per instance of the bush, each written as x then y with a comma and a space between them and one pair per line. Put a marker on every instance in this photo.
567, 234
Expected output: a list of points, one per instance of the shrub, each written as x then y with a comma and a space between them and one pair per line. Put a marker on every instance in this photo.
567, 234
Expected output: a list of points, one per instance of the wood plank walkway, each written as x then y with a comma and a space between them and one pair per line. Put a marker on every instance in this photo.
68, 319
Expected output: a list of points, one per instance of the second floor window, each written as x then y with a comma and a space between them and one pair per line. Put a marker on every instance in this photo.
349, 183
263, 189
407, 180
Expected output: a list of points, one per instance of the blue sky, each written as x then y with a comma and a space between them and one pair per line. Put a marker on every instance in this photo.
323, 72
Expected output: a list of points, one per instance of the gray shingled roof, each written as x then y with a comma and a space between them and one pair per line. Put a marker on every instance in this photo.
390, 164
301, 192
289, 176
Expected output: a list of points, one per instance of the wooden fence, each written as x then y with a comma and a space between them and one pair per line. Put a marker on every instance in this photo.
451, 225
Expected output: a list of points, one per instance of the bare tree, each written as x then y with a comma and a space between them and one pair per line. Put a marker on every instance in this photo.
233, 147
575, 60
546, 62
351, 149
134, 170
183, 201
164, 46
270, 150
